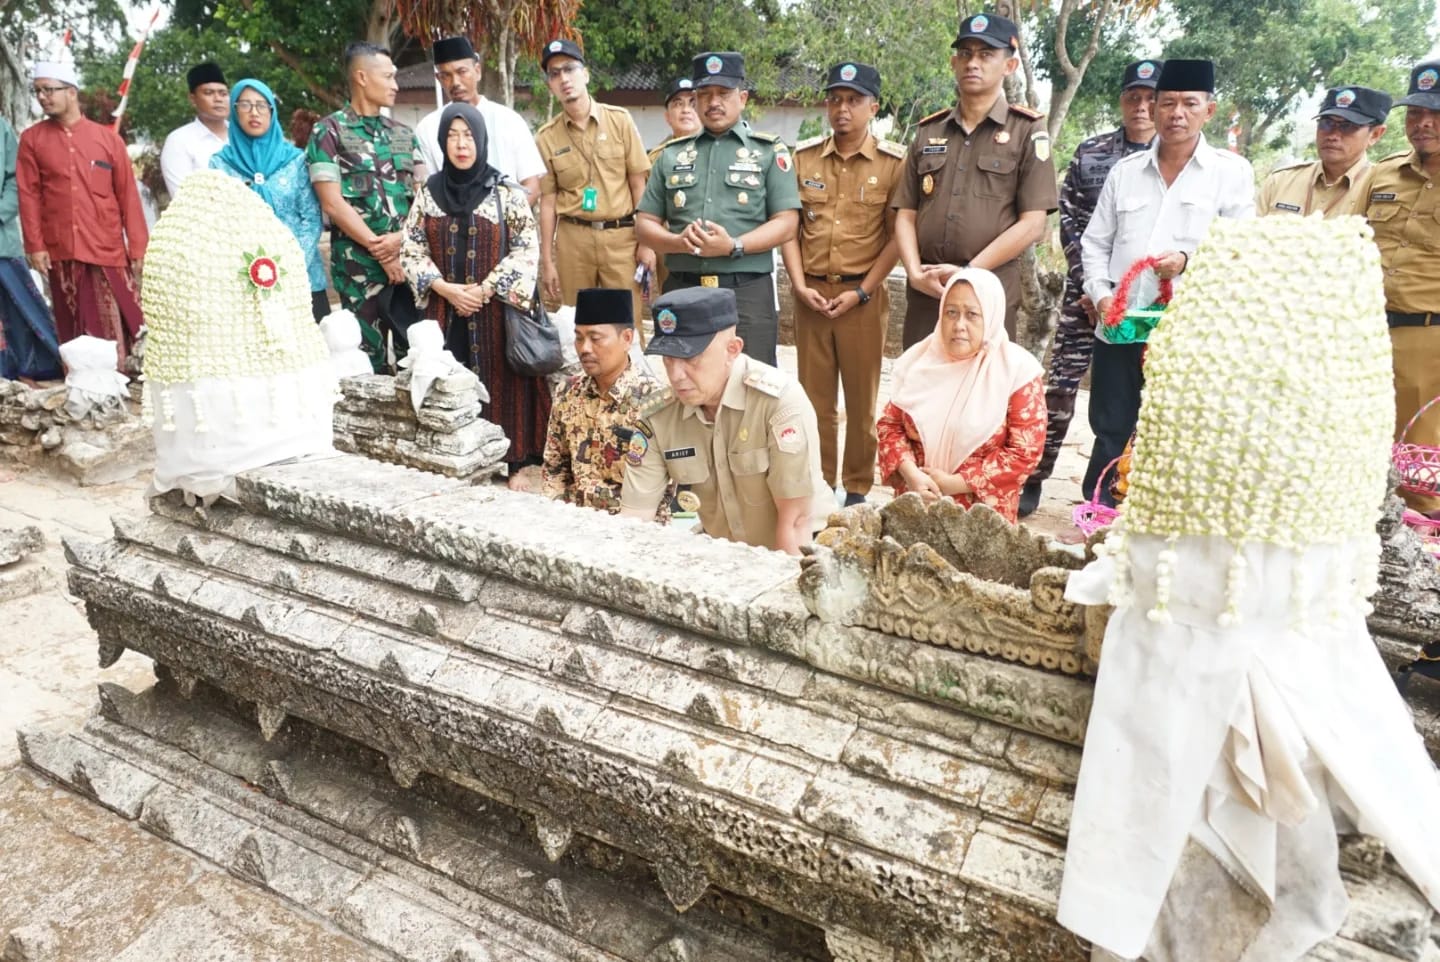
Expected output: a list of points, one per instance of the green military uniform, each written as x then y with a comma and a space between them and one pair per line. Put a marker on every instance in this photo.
762, 445
739, 179
589, 436
372, 159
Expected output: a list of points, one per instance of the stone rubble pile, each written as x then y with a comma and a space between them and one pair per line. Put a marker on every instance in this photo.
92, 443
375, 417
463, 723
19, 576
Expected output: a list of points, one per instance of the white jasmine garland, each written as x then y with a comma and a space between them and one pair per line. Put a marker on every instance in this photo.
1268, 405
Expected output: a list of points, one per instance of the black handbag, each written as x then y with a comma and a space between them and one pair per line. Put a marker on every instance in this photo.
532, 344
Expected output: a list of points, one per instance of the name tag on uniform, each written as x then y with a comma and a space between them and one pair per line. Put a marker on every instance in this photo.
814, 183
683, 167
674, 453
1380, 196
746, 168
562, 150
1292, 208
935, 149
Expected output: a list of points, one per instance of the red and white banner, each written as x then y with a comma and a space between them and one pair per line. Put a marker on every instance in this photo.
129, 73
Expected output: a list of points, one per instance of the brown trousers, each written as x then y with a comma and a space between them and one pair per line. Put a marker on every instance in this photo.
843, 353
1416, 352
586, 257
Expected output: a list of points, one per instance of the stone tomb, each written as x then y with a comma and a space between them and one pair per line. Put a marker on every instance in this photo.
462, 723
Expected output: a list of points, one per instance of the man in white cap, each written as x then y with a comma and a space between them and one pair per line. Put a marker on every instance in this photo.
512, 145
80, 213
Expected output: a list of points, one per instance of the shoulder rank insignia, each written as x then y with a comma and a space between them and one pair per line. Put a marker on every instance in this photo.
808, 143
764, 138
891, 148
1026, 111
1398, 155
766, 379
936, 115
654, 403
1293, 165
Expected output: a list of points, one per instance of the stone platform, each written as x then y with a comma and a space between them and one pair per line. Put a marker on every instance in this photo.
529, 729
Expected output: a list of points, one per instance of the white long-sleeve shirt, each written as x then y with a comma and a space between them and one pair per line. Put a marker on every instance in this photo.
511, 149
186, 150
1138, 216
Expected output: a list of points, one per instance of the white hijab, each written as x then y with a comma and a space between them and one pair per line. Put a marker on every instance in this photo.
957, 405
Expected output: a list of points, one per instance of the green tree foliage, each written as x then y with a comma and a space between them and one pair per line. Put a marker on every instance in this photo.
1269, 56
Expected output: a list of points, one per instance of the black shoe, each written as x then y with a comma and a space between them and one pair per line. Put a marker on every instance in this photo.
852, 499
1029, 499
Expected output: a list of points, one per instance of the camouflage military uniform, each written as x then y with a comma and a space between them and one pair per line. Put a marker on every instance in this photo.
1075, 335
372, 159
589, 439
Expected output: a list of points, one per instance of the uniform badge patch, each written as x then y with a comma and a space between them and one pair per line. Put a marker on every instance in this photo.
788, 437
1345, 98
1145, 71
679, 199
817, 184
978, 23
742, 197
847, 72
1377, 195
1002, 137
1427, 79
555, 46
672, 453
1291, 208
665, 320
688, 501
713, 65
1041, 140
782, 160
635, 450
927, 184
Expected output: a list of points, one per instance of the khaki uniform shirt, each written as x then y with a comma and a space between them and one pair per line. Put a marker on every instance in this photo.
1402, 203
739, 179
844, 202
968, 189
602, 154
763, 445
588, 436
1301, 189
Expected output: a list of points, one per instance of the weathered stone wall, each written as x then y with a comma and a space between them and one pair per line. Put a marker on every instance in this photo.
375, 417
94, 444
19, 576
657, 714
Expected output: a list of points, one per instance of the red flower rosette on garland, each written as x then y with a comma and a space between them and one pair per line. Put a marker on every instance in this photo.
262, 271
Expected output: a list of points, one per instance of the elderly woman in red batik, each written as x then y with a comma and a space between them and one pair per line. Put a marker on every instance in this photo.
966, 418
453, 258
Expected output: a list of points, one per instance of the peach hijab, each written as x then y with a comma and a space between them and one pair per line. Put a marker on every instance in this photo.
958, 405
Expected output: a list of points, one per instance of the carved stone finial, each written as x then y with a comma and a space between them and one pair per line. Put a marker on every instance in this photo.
683, 884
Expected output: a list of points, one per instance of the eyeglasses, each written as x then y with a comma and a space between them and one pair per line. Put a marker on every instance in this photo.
555, 73
1334, 125
50, 91
252, 107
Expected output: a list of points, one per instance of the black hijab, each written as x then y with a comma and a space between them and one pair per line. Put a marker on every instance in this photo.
460, 192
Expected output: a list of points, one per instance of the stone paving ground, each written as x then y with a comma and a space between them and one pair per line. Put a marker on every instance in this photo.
125, 896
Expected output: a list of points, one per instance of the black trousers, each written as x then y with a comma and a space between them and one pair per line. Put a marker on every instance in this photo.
1116, 380
759, 325
392, 309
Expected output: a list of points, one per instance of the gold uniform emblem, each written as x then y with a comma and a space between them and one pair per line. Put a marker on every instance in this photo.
679, 199
927, 184
1003, 137
688, 501
743, 197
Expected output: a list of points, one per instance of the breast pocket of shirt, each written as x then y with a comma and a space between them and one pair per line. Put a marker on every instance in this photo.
1130, 215
691, 470
570, 171
815, 201
357, 175
996, 176
102, 178
751, 471
1192, 221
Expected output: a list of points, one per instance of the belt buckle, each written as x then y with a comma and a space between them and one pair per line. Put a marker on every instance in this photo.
709, 280
597, 224
833, 278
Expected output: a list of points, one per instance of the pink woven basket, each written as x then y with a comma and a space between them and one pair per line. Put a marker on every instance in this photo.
1427, 528
1090, 516
1417, 464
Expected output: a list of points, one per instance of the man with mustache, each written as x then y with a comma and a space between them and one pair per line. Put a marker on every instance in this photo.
1351, 120
512, 145
718, 202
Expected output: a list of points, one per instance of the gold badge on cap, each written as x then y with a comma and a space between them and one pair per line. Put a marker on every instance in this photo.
1003, 137
927, 184
679, 199
688, 501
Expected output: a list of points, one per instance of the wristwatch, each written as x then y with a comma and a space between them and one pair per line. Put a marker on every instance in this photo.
737, 249
860, 292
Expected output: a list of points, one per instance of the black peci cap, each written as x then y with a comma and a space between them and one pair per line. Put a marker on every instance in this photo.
204, 73
1424, 87
452, 49
682, 85
859, 77
604, 305
1187, 75
1359, 105
718, 69
991, 29
687, 320
1142, 73
560, 48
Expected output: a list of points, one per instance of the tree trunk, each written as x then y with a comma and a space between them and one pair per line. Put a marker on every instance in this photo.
14, 85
